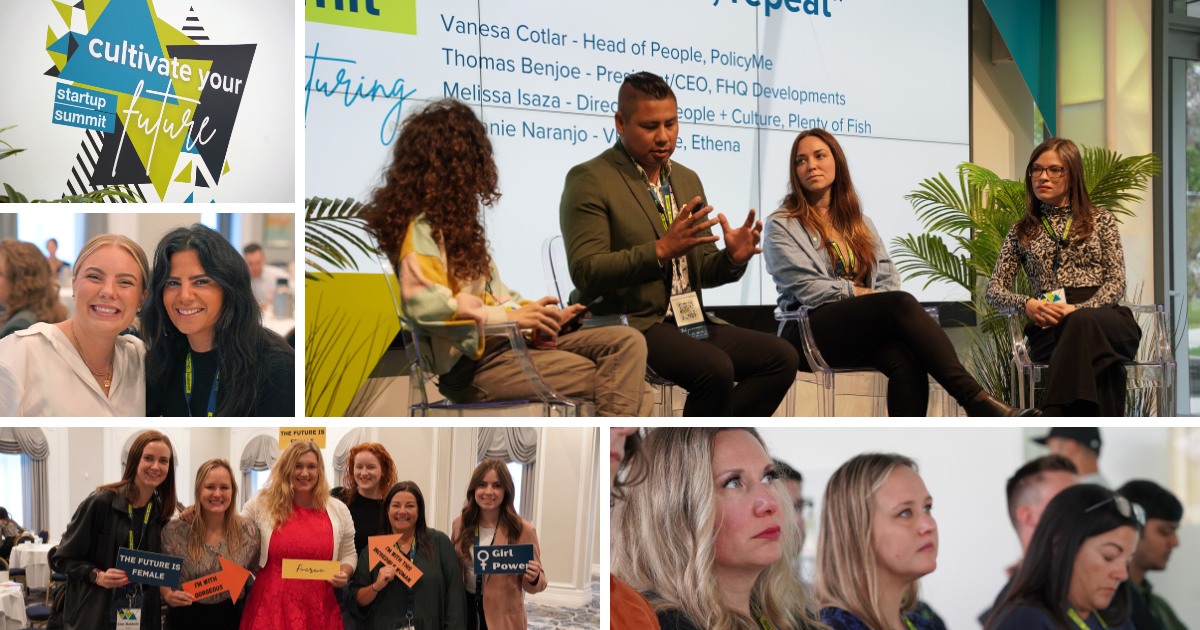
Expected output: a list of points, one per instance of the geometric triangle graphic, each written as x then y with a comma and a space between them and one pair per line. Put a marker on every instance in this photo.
52, 72
79, 5
200, 180
93, 9
62, 45
72, 46
59, 59
190, 198
185, 175
65, 11
226, 170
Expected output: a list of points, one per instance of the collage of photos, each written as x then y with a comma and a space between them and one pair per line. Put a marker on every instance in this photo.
889, 234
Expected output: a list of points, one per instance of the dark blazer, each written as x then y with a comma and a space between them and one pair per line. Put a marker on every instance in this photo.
100, 524
609, 225
438, 596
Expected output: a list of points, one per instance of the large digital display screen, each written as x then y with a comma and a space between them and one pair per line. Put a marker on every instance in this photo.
889, 79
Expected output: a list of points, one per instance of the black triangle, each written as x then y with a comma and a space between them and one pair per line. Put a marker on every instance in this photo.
72, 45
79, 5
52, 72
200, 179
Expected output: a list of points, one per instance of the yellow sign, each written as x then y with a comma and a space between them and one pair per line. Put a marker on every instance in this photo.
392, 16
310, 569
287, 435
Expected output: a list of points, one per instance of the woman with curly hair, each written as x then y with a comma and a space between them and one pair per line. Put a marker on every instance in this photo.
27, 290
426, 217
706, 536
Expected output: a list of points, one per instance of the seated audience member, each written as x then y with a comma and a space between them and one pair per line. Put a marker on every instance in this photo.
1158, 539
877, 538
436, 600
216, 532
84, 366
9, 530
706, 537
207, 352
627, 608
637, 234
1075, 573
1029, 490
1081, 445
427, 217
824, 254
264, 278
1071, 253
28, 293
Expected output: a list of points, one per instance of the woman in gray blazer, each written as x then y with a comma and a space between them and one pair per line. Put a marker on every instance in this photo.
825, 255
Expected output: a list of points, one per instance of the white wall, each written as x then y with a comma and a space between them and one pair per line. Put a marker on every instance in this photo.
965, 471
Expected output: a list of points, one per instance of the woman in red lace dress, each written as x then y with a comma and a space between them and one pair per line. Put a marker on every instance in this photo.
297, 520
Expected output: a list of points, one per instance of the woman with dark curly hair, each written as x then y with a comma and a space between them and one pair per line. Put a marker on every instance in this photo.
207, 352
27, 290
426, 217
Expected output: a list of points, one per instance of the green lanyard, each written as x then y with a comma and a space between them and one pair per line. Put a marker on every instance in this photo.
1079, 620
908, 622
847, 268
187, 388
1058, 240
664, 214
762, 619
145, 523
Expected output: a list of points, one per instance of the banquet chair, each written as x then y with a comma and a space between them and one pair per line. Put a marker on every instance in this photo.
862, 382
44, 535
38, 615
25, 537
56, 577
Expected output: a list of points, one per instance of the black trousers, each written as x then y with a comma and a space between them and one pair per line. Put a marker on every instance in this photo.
762, 366
1085, 351
475, 617
892, 333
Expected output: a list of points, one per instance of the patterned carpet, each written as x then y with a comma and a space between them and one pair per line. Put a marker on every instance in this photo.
563, 617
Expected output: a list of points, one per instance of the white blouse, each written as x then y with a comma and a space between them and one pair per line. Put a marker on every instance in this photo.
41, 374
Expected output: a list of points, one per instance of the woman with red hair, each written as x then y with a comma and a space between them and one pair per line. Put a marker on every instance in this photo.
370, 473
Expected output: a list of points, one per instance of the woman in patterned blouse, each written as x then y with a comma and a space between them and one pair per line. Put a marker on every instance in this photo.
218, 533
1071, 253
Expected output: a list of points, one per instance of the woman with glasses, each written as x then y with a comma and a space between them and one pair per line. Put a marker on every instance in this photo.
1075, 574
1071, 253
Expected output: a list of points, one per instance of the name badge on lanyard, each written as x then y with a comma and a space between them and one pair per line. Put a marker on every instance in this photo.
128, 612
689, 317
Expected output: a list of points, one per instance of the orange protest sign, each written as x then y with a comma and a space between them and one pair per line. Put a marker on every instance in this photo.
383, 550
230, 578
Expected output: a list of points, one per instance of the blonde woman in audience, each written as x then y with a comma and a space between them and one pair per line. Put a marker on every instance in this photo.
704, 536
84, 366
298, 520
877, 538
202, 543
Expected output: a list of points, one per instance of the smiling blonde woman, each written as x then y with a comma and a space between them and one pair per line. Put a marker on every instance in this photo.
84, 366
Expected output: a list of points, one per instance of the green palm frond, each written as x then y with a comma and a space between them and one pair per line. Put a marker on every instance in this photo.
942, 208
926, 255
1113, 182
329, 226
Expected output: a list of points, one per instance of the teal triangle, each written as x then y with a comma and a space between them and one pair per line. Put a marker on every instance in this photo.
62, 46
189, 199
212, 201
122, 25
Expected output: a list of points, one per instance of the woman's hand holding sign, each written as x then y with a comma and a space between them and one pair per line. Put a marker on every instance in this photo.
111, 578
386, 575
341, 577
532, 571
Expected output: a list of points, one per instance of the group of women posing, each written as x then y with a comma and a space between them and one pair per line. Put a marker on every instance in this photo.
822, 251
200, 348
295, 516
703, 537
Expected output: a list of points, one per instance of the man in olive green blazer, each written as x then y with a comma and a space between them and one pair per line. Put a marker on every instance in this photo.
632, 243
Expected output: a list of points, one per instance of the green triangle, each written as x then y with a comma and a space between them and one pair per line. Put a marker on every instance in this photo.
93, 9
185, 176
50, 38
65, 11
226, 167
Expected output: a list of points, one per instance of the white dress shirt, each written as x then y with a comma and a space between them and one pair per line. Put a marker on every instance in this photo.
41, 374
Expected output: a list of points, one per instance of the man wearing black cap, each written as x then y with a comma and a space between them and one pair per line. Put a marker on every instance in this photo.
1081, 445
1163, 513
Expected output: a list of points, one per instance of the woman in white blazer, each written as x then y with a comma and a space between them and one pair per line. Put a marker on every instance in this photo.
297, 520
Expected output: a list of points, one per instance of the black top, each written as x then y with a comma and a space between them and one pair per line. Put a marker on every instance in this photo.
1031, 618
276, 385
674, 620
987, 614
100, 525
365, 514
439, 599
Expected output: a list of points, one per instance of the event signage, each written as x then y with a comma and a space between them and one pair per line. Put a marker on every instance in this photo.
498, 559
145, 567
230, 579
310, 569
384, 551
287, 435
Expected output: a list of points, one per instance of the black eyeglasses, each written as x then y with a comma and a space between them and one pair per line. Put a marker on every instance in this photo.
1127, 509
1053, 172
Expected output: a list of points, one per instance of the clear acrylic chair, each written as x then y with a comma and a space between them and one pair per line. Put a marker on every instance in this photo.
857, 382
560, 285
1151, 376
552, 403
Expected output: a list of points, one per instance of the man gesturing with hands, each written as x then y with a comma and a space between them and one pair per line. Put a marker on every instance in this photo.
637, 231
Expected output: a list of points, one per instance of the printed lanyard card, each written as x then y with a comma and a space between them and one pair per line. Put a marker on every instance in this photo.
1057, 296
688, 315
127, 611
